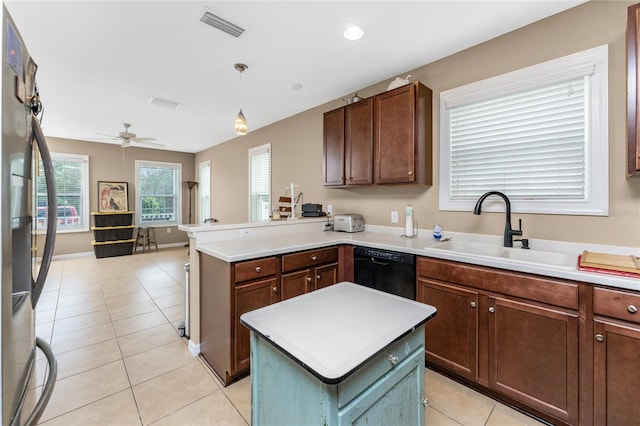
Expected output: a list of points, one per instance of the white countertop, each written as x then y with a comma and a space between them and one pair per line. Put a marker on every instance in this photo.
329, 334
566, 254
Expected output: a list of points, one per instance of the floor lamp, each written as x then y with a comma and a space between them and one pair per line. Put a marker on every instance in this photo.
190, 184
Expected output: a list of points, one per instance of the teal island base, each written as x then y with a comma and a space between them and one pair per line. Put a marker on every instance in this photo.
386, 390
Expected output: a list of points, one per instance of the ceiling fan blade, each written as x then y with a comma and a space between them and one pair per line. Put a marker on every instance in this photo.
145, 141
110, 136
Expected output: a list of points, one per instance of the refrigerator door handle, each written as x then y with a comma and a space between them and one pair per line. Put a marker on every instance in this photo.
52, 212
47, 390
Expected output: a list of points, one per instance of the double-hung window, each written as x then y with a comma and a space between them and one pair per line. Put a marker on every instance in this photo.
259, 183
158, 193
205, 190
72, 196
539, 135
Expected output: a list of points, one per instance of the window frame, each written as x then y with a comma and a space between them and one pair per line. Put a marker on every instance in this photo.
593, 62
204, 191
84, 194
251, 152
177, 187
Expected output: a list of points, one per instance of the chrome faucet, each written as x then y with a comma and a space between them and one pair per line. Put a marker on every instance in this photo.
508, 232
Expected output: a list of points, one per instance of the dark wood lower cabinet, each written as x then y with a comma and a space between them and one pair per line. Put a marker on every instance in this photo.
248, 297
533, 356
451, 337
616, 373
521, 345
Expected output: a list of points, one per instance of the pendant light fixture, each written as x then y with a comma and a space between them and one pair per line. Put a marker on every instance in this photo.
241, 120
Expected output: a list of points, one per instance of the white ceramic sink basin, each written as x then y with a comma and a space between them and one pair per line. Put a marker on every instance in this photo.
518, 254
471, 248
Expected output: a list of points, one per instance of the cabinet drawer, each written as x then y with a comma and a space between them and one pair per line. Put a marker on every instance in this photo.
616, 304
379, 365
309, 258
252, 269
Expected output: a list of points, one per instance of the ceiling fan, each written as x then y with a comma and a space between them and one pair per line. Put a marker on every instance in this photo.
127, 137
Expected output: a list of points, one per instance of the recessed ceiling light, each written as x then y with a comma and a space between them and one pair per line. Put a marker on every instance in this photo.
353, 32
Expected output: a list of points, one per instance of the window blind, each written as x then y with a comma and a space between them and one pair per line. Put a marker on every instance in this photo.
529, 144
259, 182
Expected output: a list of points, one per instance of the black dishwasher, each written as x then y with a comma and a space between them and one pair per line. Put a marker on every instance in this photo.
384, 270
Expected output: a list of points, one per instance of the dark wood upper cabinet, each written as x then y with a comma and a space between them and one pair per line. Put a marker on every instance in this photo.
633, 120
333, 165
403, 135
348, 145
386, 139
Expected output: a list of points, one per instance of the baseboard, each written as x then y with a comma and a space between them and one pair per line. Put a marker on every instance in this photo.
90, 253
194, 348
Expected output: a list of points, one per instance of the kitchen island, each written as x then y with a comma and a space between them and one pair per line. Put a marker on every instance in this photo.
340, 355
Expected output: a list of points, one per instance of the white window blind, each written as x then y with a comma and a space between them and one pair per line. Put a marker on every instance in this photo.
259, 182
529, 145
539, 134
205, 190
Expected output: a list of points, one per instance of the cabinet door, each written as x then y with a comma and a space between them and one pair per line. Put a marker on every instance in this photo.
533, 356
633, 110
396, 396
451, 337
359, 143
248, 297
395, 136
616, 373
295, 284
333, 165
326, 275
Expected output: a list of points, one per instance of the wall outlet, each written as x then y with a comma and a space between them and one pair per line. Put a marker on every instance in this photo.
168, 230
329, 209
246, 233
394, 216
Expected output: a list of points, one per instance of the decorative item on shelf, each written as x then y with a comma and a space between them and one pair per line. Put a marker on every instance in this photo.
241, 121
288, 203
113, 196
352, 100
190, 185
399, 82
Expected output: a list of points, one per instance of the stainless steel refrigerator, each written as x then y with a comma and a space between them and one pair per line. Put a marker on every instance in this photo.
24, 155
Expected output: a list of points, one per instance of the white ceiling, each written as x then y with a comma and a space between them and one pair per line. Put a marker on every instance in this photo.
101, 61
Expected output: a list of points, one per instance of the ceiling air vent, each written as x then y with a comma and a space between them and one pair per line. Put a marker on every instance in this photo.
221, 24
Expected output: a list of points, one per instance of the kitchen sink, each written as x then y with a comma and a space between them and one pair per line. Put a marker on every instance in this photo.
517, 254
471, 248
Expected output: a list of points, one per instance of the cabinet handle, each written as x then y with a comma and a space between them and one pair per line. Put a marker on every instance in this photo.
393, 359
492, 309
314, 257
599, 337
425, 402
473, 304
275, 289
410, 173
309, 279
632, 309
258, 269
318, 277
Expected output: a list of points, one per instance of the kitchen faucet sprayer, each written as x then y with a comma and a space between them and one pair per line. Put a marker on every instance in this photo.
508, 232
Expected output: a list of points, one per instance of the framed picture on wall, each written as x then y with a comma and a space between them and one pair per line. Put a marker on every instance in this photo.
113, 196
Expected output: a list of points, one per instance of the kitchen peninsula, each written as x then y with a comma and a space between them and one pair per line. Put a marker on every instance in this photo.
472, 272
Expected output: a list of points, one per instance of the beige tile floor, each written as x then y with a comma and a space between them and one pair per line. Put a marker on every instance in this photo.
112, 324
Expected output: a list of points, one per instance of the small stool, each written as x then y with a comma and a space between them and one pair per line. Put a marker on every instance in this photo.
144, 238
